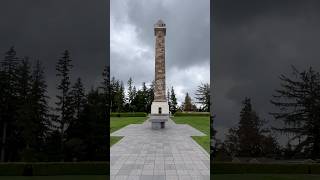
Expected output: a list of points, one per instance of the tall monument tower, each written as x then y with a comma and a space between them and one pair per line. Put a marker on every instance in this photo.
159, 107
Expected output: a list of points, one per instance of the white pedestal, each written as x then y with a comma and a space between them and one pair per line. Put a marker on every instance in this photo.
163, 105
159, 114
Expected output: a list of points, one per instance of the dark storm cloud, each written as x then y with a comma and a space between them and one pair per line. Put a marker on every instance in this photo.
255, 42
44, 29
188, 29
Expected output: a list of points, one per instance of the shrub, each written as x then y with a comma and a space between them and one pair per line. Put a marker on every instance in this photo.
240, 168
77, 168
192, 114
54, 168
12, 169
128, 114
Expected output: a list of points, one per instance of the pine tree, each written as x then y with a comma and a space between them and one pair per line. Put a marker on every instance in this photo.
298, 103
173, 102
249, 131
106, 80
74, 137
105, 85
150, 97
64, 104
117, 95
187, 103
94, 141
9, 102
249, 138
144, 94
130, 93
140, 100
78, 97
168, 100
134, 94
203, 96
25, 124
113, 95
39, 106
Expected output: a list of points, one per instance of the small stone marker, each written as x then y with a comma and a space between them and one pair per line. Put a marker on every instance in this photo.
159, 107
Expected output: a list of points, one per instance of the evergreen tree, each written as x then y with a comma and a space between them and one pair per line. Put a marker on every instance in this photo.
122, 97
140, 101
9, 102
25, 124
134, 94
130, 93
64, 104
298, 103
114, 86
203, 96
250, 138
232, 142
119, 96
75, 140
168, 100
39, 106
105, 81
249, 131
78, 97
194, 107
150, 97
173, 102
187, 103
93, 121
106, 89
106, 85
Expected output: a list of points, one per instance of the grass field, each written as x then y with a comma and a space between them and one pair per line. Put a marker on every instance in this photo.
265, 177
200, 123
120, 122
54, 177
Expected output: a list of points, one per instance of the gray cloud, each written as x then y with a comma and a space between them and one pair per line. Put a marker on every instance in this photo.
187, 41
255, 42
44, 29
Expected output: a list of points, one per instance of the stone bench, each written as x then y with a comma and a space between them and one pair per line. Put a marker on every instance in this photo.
158, 120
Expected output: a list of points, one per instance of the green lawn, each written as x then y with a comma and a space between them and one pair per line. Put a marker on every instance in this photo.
265, 177
120, 122
202, 124
70, 177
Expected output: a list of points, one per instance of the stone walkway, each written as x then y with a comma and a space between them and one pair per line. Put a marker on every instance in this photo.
170, 153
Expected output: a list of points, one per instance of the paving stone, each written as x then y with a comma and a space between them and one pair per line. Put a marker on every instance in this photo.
170, 153
146, 177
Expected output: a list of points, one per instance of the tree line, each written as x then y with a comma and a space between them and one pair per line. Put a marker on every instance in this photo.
73, 130
140, 100
298, 103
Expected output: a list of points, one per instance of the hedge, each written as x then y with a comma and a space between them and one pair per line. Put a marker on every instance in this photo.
54, 168
192, 114
12, 169
128, 114
102, 168
257, 168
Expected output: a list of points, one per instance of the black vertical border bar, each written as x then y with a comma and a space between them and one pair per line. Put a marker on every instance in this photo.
108, 76
211, 86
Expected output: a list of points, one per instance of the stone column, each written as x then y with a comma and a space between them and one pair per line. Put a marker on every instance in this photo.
160, 81
159, 106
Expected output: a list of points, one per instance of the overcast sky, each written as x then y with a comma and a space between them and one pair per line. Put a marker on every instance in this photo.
44, 29
255, 42
187, 42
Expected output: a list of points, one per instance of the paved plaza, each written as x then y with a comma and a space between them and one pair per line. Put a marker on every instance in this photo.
164, 154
